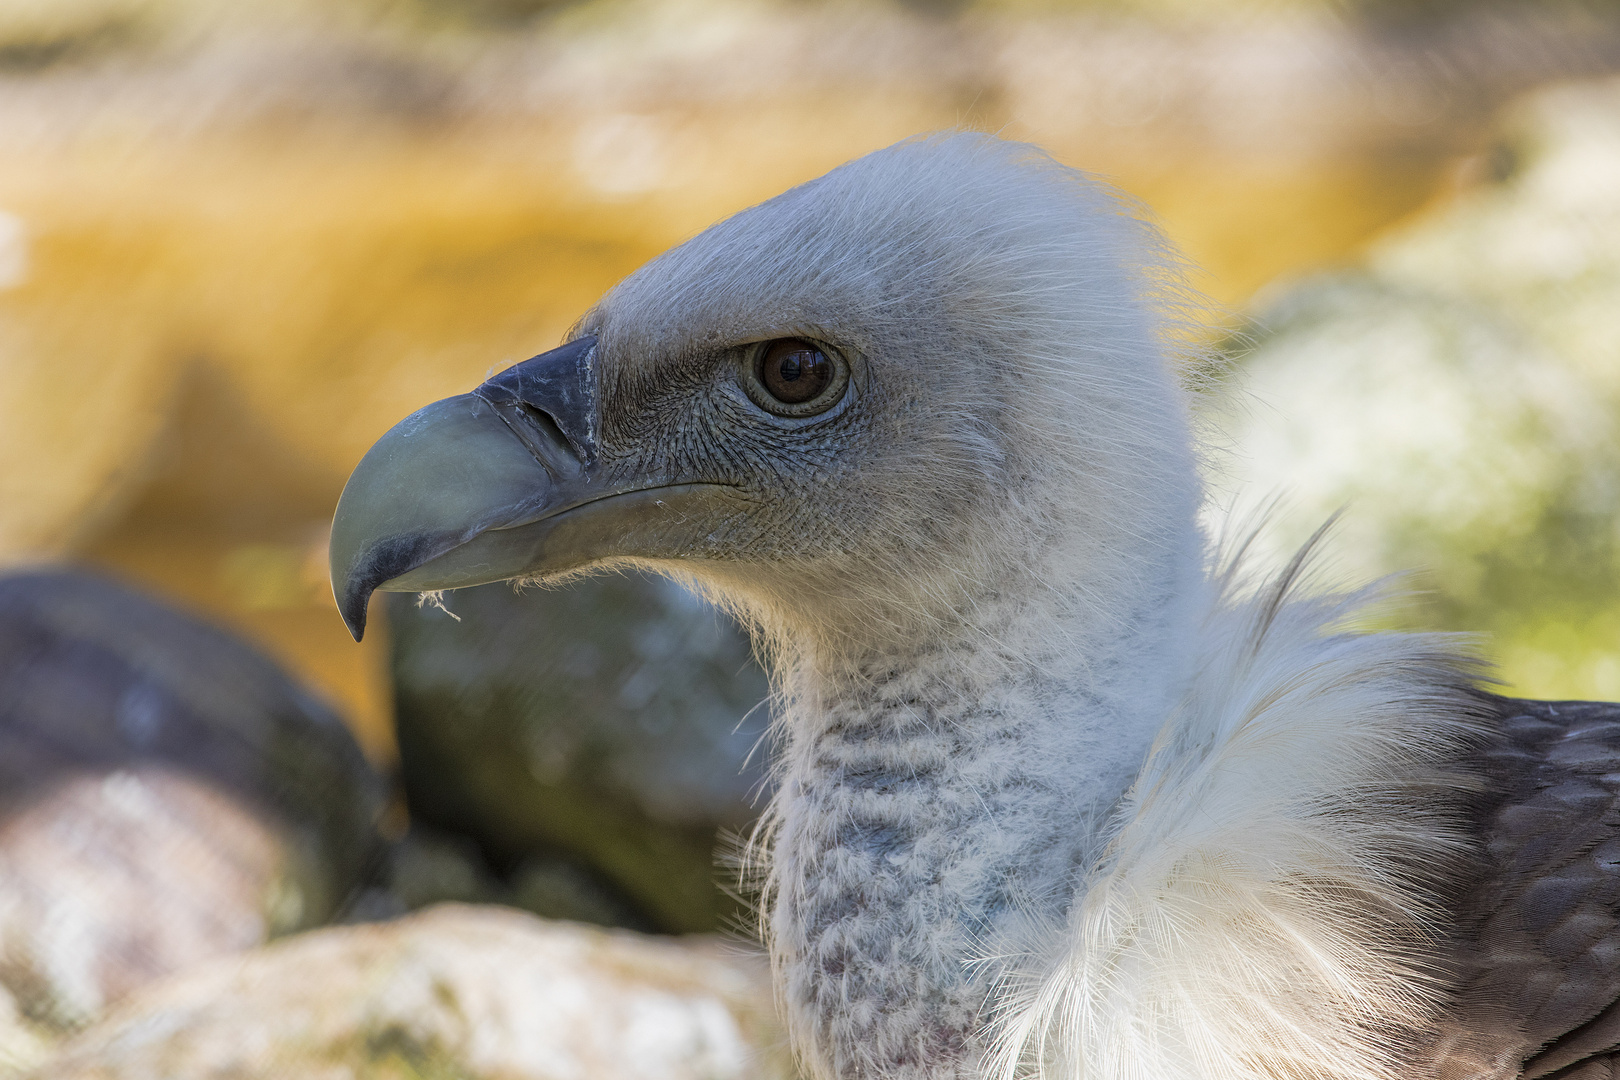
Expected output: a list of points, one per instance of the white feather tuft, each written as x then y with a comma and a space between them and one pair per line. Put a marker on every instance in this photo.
1267, 905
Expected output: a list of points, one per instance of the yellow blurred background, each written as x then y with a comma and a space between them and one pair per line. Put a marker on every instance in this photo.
241, 241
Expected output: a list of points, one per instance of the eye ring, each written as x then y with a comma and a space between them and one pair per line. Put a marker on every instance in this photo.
794, 377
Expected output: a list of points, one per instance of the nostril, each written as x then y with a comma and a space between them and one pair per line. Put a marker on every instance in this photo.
543, 420
547, 395
543, 437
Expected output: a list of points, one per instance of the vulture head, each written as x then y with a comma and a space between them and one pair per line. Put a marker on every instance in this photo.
849, 412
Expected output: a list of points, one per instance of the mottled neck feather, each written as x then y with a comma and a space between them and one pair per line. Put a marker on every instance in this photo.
934, 795
1104, 862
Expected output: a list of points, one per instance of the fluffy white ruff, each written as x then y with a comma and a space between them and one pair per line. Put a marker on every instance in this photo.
1267, 904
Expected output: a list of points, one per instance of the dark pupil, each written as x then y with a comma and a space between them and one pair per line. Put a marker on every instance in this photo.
795, 371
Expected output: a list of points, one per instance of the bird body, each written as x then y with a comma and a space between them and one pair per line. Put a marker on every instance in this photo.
1060, 793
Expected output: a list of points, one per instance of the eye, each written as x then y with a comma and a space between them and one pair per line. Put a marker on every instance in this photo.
794, 377
794, 371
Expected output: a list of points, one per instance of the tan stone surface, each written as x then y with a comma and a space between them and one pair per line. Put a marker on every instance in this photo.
23, 1045
478, 993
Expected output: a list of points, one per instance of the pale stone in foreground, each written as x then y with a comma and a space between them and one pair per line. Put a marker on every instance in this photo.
470, 992
22, 1044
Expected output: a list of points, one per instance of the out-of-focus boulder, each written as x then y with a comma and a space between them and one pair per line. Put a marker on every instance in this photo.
22, 1043
594, 740
167, 795
428, 867
1460, 392
477, 993
1442, 425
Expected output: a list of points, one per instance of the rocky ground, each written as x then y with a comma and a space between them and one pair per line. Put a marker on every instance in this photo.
177, 816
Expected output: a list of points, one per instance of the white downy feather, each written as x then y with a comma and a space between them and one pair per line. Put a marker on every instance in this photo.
1266, 907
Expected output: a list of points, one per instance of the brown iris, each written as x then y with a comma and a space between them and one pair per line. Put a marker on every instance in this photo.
793, 371
794, 378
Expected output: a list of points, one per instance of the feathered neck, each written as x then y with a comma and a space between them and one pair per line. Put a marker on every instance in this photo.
936, 794
1100, 849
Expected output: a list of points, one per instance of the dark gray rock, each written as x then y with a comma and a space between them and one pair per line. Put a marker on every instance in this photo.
166, 795
595, 741
428, 867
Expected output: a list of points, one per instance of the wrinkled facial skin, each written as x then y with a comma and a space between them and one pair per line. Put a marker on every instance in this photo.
686, 419
817, 498
906, 458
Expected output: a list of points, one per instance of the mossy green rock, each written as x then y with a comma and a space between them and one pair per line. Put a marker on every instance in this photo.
611, 725
1459, 395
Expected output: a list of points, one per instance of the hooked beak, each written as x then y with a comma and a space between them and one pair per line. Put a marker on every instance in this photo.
495, 484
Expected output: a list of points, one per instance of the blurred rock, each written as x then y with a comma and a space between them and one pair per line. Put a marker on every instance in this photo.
593, 740
1537, 237
561, 889
429, 867
167, 795
476, 993
1442, 424
1461, 393
22, 1043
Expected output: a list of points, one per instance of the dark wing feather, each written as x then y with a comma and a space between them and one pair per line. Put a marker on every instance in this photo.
1540, 948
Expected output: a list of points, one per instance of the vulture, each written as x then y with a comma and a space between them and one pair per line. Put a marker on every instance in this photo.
1064, 789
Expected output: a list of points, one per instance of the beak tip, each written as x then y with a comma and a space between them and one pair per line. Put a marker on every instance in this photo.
353, 609
379, 563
